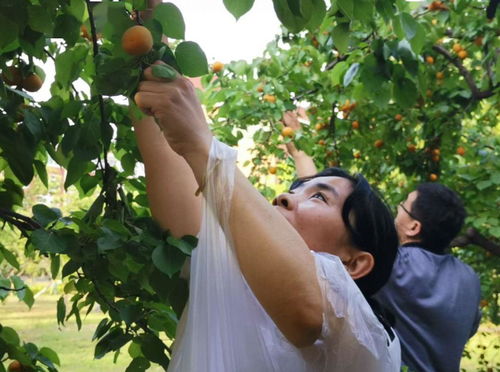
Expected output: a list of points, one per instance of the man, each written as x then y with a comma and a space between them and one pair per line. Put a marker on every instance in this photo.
433, 296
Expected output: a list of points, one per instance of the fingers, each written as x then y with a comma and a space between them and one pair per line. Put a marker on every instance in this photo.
144, 100
160, 72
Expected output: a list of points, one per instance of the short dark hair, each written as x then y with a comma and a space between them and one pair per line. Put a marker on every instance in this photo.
441, 214
372, 228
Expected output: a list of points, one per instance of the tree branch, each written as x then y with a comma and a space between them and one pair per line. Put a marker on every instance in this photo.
476, 93
472, 236
23, 223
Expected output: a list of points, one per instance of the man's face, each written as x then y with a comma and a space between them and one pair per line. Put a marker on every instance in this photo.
314, 209
403, 217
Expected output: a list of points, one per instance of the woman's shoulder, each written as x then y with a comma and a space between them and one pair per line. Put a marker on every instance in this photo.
347, 313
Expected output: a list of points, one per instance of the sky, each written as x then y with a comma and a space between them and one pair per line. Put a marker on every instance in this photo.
221, 37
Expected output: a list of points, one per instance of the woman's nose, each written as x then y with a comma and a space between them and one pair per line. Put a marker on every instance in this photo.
284, 200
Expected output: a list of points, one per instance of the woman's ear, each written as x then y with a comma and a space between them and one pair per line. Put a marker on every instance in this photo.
360, 264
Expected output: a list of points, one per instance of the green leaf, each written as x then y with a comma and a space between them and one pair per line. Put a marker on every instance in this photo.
41, 170
238, 7
67, 27
168, 260
408, 57
337, 72
139, 364
69, 64
40, 19
318, 13
351, 73
291, 21
185, 245
171, 20
76, 169
61, 310
481, 185
10, 336
101, 329
45, 215
347, 7
70, 267
113, 341
9, 32
191, 59
405, 93
409, 25
9, 257
385, 8
50, 355
48, 241
164, 72
340, 35
363, 11
55, 264
154, 349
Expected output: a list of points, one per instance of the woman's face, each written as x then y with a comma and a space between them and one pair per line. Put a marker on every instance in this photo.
315, 210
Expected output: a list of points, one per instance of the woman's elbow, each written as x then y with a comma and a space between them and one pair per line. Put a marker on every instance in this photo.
307, 328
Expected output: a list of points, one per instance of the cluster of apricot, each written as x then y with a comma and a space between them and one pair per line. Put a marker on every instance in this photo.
16, 366
14, 76
460, 51
347, 108
437, 5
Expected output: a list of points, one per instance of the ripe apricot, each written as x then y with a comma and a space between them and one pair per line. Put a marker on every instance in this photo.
436, 152
429, 60
321, 142
137, 40
478, 41
15, 366
357, 155
433, 177
272, 170
32, 83
456, 47
428, 93
85, 33
436, 158
439, 75
460, 151
355, 124
398, 117
217, 67
287, 132
411, 147
260, 88
12, 76
319, 126
269, 98
378, 143
462, 54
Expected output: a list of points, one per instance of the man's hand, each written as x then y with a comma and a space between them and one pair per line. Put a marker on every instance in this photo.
177, 110
290, 120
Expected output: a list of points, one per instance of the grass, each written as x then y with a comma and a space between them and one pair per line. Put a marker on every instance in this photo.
76, 351
74, 348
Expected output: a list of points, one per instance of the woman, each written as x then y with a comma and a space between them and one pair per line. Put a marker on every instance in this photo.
286, 308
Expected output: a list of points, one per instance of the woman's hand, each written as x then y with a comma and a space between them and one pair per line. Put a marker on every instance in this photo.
177, 111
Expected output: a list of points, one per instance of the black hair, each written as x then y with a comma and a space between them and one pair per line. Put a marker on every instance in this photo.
441, 214
370, 224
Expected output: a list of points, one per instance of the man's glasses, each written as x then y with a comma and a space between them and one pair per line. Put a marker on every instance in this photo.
407, 211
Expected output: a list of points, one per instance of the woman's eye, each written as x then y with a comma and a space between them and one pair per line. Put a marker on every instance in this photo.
319, 196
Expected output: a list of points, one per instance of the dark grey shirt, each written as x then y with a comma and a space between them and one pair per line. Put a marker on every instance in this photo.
435, 299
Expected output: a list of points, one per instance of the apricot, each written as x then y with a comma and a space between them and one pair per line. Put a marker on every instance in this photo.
137, 41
